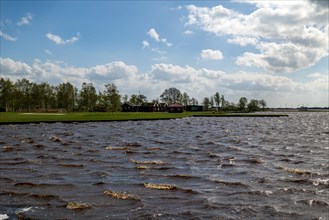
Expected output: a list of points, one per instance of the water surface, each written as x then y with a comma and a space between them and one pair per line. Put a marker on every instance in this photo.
217, 168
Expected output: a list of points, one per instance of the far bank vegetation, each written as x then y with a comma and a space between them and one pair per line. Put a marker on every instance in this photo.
26, 96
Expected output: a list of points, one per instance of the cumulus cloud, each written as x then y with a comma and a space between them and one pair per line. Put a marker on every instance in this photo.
282, 31
145, 44
209, 54
154, 35
188, 32
243, 41
56, 72
112, 71
198, 83
173, 73
7, 37
284, 57
159, 41
315, 75
25, 20
10, 67
58, 40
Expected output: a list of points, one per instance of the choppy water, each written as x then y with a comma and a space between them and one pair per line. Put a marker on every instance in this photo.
214, 168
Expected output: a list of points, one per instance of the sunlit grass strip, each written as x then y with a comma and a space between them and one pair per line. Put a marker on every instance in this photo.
12, 117
9, 117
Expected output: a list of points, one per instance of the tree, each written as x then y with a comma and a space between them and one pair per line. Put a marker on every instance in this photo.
262, 103
211, 101
222, 99
133, 99
125, 98
23, 95
49, 94
88, 97
171, 95
7, 99
66, 94
36, 96
185, 99
243, 103
141, 99
194, 101
137, 99
253, 105
206, 103
217, 99
112, 97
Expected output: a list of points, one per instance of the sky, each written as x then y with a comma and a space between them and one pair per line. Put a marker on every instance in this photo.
271, 50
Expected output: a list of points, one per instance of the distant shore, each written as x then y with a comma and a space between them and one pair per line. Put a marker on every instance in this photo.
79, 117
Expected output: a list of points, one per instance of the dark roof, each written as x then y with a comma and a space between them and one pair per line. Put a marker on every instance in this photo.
129, 103
178, 105
149, 104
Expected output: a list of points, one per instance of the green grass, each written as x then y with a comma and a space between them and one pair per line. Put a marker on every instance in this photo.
13, 117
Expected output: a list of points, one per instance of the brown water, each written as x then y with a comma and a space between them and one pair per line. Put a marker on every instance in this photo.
212, 168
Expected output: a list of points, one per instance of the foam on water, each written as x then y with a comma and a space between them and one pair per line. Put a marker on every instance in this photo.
225, 168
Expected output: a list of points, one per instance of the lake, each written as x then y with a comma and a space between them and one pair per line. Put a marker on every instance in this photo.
191, 168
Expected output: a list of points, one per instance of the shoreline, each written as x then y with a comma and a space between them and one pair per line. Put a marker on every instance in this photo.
86, 117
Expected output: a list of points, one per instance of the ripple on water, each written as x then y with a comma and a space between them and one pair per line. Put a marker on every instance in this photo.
194, 168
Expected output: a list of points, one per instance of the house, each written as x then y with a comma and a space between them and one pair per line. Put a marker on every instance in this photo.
148, 107
162, 107
129, 107
175, 108
100, 108
194, 108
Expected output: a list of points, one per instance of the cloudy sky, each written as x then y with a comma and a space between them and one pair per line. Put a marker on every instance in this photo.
272, 50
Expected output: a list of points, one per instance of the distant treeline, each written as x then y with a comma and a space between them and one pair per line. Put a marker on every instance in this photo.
27, 96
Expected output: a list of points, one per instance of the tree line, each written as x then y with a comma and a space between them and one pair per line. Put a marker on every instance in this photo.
24, 95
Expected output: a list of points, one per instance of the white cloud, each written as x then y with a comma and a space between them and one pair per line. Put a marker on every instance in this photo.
188, 32
154, 35
290, 35
58, 40
162, 58
198, 83
315, 75
25, 20
173, 73
10, 67
48, 52
243, 41
7, 37
209, 54
157, 50
145, 44
284, 57
112, 71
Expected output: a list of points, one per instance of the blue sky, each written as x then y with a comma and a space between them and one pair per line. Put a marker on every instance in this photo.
272, 50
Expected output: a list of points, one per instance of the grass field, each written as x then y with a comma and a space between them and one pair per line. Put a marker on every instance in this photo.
13, 117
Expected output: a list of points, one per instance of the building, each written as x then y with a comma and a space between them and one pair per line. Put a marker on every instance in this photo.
194, 108
162, 107
175, 108
129, 107
148, 107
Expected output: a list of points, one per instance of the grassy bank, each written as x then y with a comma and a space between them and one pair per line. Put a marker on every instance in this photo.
13, 117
